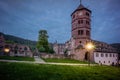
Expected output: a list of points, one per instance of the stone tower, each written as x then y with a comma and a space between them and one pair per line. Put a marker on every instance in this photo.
81, 25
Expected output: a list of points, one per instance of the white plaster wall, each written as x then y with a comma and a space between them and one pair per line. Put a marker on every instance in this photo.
106, 59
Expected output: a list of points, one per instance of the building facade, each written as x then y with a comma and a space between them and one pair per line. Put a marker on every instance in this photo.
59, 48
106, 58
14, 49
103, 53
81, 25
19, 50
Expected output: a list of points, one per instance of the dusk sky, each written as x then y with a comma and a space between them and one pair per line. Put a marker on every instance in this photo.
24, 18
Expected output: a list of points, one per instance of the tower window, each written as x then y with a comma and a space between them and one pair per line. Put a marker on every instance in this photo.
73, 16
88, 33
80, 32
87, 14
80, 22
87, 22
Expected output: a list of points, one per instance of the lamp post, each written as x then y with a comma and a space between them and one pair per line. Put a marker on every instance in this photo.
89, 47
6, 50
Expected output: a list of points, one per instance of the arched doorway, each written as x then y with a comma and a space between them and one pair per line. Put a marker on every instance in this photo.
86, 56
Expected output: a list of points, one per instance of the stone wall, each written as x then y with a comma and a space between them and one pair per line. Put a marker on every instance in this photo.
45, 55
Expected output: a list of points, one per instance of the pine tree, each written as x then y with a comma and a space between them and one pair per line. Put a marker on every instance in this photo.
42, 44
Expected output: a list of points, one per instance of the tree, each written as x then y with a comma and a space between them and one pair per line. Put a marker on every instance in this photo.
42, 44
51, 51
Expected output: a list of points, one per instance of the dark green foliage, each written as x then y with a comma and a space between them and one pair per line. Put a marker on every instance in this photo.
41, 49
22, 71
51, 50
42, 44
18, 58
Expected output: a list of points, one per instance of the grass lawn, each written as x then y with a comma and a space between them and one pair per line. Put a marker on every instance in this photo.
23, 71
64, 60
17, 58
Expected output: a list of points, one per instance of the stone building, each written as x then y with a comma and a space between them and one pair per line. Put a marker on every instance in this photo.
81, 32
103, 53
19, 50
59, 48
14, 49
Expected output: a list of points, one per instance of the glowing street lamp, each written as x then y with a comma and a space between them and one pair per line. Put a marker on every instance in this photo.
6, 50
89, 47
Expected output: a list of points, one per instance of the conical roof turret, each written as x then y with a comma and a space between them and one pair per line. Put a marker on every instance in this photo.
81, 7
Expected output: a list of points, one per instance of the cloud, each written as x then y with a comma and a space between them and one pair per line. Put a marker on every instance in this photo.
25, 18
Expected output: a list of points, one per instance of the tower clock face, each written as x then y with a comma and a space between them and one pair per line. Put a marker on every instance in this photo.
80, 13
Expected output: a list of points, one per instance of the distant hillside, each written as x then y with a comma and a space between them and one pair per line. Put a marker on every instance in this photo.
117, 46
18, 40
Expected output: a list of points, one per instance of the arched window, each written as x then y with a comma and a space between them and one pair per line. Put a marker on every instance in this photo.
87, 22
87, 14
80, 21
80, 32
88, 33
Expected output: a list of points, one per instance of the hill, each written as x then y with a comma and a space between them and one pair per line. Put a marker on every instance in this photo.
18, 40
